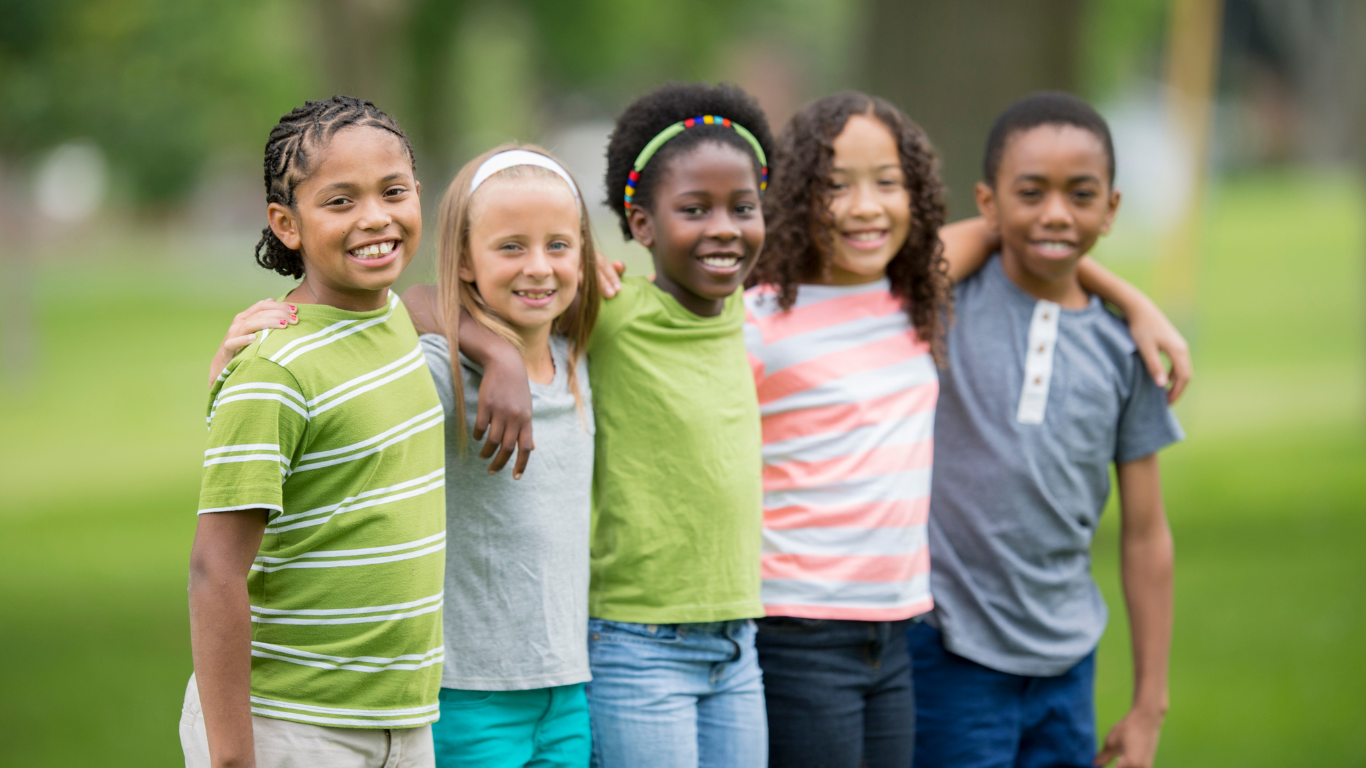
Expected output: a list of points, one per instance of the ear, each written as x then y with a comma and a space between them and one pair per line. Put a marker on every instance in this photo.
642, 226
986, 205
285, 225
1110, 214
464, 271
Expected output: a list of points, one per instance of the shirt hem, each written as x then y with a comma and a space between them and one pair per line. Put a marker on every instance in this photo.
1008, 665
520, 684
675, 615
851, 614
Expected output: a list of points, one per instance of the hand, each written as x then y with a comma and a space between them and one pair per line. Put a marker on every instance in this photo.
1133, 740
267, 313
505, 412
609, 276
1153, 333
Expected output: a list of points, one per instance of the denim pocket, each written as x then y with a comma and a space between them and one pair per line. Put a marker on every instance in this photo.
788, 625
602, 630
459, 698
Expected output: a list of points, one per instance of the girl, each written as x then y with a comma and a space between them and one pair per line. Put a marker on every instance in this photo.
515, 254
315, 576
844, 331
514, 249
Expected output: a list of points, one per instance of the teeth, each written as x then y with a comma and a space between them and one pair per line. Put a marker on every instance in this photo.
1054, 246
720, 261
373, 251
865, 236
535, 294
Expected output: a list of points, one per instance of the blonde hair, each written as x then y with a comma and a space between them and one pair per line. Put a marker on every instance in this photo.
453, 294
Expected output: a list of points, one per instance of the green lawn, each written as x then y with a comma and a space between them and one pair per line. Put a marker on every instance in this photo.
100, 473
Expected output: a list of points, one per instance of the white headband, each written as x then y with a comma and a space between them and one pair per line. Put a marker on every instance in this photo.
513, 157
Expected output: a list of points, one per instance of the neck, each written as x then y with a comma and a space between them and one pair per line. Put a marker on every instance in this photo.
540, 365
1063, 288
316, 292
698, 305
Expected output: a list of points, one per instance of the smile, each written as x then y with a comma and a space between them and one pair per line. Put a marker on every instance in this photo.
374, 250
536, 298
1054, 248
866, 240
722, 261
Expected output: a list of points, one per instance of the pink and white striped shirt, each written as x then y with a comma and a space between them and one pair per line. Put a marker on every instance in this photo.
847, 393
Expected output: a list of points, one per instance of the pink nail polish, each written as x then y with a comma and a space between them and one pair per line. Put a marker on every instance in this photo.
283, 323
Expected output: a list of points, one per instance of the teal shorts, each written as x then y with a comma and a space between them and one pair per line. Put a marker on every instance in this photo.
542, 727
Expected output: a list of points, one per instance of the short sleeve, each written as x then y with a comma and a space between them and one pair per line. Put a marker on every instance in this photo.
615, 312
257, 419
1146, 423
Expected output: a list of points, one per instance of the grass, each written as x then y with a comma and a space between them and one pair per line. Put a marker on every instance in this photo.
1264, 498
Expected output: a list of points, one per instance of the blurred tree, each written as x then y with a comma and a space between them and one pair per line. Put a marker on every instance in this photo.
953, 66
160, 85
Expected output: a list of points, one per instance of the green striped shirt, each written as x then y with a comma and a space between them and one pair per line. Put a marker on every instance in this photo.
334, 427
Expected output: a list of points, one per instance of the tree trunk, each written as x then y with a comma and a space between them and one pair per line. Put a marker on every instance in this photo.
953, 66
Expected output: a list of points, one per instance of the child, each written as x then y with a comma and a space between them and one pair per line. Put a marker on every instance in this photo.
516, 254
676, 488
315, 576
844, 333
1043, 390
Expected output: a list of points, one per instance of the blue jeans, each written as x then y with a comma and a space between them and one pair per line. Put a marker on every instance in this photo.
839, 693
971, 716
676, 695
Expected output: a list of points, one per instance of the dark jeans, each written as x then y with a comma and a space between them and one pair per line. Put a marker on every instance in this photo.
973, 716
838, 693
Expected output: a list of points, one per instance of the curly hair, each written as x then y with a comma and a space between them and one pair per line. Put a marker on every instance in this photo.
645, 117
303, 130
797, 209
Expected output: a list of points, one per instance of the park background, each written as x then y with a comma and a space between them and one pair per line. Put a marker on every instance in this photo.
130, 198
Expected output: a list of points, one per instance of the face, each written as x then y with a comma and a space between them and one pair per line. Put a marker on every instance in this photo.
706, 227
525, 250
356, 218
869, 202
1052, 198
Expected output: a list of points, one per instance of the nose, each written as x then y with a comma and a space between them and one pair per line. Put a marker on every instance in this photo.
537, 264
373, 216
863, 203
722, 225
1056, 213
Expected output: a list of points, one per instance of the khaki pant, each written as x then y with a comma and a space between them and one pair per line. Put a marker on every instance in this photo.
286, 744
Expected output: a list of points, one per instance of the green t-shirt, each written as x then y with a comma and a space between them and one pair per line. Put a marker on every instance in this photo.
677, 506
333, 425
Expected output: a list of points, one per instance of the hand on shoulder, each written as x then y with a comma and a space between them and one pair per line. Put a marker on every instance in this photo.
423, 308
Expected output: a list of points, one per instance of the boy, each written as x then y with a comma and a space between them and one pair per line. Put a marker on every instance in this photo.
1042, 392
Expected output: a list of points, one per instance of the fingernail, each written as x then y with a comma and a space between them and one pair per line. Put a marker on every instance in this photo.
293, 308
283, 323
517, 476
295, 318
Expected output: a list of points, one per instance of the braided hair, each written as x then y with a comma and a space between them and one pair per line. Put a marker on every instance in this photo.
799, 221
648, 115
302, 131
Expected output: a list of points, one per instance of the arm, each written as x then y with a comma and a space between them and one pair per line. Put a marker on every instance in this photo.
967, 244
1146, 557
1151, 330
225, 544
505, 392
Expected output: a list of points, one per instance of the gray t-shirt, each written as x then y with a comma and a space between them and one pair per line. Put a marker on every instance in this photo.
516, 600
1021, 471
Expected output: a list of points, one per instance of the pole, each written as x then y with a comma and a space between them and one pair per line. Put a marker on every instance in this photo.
1191, 75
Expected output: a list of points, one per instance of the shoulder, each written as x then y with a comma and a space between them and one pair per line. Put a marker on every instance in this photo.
618, 311
422, 305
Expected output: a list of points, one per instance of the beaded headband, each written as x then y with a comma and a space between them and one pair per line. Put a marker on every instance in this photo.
679, 127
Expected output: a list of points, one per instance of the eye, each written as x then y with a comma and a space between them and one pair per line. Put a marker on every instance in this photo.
744, 209
397, 191
1084, 195
558, 245
837, 186
694, 210
1030, 194
337, 201
510, 247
